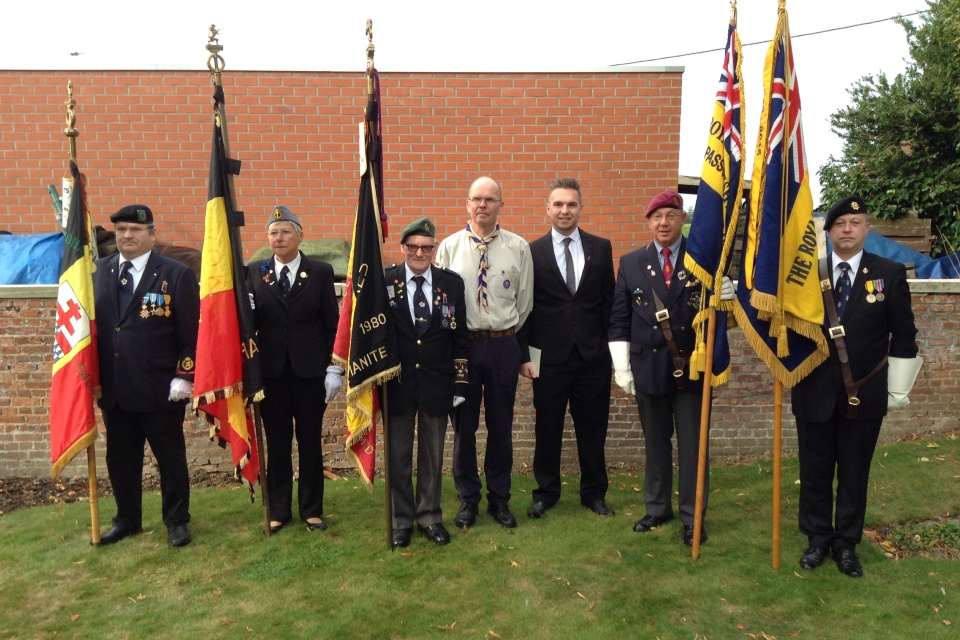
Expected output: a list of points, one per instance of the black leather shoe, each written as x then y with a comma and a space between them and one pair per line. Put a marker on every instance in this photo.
275, 528
688, 534
116, 534
537, 509
648, 522
599, 507
317, 526
179, 536
401, 537
467, 516
436, 533
812, 558
848, 563
501, 513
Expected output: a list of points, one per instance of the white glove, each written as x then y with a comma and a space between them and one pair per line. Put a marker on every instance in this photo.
458, 400
333, 382
180, 389
620, 352
901, 374
727, 290
253, 303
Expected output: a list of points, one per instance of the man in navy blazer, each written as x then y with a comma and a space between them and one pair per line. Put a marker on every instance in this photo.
148, 309
837, 432
429, 315
572, 298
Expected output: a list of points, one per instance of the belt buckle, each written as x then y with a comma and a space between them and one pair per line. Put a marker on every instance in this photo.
836, 332
483, 334
662, 315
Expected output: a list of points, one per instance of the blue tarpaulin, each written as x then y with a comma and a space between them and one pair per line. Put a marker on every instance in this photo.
31, 259
941, 268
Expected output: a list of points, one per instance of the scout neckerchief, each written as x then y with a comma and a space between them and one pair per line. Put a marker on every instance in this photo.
481, 244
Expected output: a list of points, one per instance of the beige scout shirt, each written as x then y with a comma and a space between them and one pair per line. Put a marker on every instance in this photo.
509, 279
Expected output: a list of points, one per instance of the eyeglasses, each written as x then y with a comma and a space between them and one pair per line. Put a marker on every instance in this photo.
427, 249
672, 217
487, 201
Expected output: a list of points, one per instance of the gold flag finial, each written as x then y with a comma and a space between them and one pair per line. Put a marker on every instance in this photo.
215, 61
370, 51
71, 131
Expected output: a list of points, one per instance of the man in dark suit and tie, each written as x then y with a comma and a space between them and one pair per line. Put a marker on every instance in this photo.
839, 406
148, 307
296, 313
572, 297
428, 312
651, 339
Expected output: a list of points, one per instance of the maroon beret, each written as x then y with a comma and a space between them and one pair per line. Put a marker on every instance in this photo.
670, 199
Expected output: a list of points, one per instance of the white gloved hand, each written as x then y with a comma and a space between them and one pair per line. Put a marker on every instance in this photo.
333, 382
622, 374
901, 374
253, 303
727, 290
180, 389
458, 400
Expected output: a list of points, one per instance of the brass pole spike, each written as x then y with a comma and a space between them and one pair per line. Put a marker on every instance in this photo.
71, 131
370, 48
215, 62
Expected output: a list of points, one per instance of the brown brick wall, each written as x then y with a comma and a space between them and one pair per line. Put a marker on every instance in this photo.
741, 426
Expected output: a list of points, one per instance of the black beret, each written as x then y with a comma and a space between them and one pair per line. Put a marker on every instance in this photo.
850, 204
133, 213
283, 214
422, 227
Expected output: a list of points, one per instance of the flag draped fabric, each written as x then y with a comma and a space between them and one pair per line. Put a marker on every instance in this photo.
779, 304
715, 217
227, 376
76, 369
364, 344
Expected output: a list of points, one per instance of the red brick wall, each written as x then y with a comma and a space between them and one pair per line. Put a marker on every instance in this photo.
145, 136
741, 426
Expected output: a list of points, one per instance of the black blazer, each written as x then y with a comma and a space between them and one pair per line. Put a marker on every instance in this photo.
633, 318
429, 376
872, 330
143, 347
561, 320
299, 327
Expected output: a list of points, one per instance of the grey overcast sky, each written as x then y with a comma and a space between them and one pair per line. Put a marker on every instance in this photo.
496, 35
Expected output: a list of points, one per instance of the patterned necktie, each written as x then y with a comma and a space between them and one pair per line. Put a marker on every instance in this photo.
568, 257
285, 280
481, 244
421, 312
843, 288
667, 266
125, 287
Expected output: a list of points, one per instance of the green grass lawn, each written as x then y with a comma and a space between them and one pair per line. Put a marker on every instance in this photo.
569, 575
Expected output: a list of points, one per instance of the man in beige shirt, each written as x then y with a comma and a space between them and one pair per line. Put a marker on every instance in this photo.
497, 270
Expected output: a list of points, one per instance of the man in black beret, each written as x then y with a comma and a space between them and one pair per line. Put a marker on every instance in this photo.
427, 309
839, 406
148, 308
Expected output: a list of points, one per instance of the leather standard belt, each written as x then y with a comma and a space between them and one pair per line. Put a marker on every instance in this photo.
679, 362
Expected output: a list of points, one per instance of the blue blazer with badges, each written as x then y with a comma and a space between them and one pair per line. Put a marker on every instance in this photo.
433, 367
873, 329
633, 318
143, 347
300, 327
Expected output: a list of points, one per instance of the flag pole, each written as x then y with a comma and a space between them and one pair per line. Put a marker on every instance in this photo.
374, 174
216, 65
706, 407
72, 133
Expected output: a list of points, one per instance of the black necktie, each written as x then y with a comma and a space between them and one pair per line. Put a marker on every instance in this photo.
285, 280
124, 287
843, 288
571, 274
421, 312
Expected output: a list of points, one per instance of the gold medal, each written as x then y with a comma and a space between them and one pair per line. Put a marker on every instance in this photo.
871, 298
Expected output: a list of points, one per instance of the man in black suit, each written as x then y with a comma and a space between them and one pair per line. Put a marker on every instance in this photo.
428, 312
651, 339
148, 308
572, 298
840, 406
296, 313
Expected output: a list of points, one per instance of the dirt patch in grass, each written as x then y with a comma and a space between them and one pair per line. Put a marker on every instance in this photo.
935, 538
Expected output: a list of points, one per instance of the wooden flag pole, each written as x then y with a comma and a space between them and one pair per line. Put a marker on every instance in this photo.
706, 407
72, 133
777, 445
216, 65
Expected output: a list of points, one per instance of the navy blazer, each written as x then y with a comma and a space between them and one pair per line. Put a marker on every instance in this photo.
300, 327
143, 347
633, 318
561, 320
